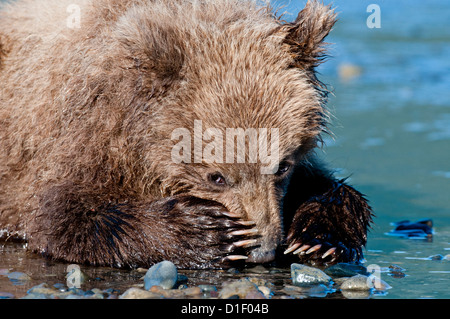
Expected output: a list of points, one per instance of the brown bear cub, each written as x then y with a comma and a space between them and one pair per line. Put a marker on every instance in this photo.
136, 131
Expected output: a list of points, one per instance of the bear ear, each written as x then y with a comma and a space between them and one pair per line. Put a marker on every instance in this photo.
153, 45
305, 35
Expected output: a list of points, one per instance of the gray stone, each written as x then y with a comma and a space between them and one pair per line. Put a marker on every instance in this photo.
163, 274
243, 288
358, 282
319, 291
304, 276
17, 276
137, 293
207, 288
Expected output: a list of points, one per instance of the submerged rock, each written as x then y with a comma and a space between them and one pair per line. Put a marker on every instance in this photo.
18, 277
242, 288
163, 274
345, 270
302, 276
420, 229
396, 271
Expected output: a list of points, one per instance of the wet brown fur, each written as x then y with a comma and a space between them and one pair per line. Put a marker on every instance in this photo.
86, 117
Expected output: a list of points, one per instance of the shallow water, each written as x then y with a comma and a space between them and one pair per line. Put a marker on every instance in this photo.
392, 131
391, 123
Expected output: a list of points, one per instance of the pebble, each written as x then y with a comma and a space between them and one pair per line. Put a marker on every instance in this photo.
4, 271
345, 270
266, 291
436, 257
192, 291
137, 293
243, 288
319, 291
396, 271
356, 294
302, 275
357, 282
380, 284
163, 274
44, 289
259, 269
207, 288
18, 277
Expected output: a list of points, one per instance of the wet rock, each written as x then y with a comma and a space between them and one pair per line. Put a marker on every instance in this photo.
255, 294
357, 282
243, 288
4, 272
266, 291
396, 271
43, 289
192, 291
76, 291
436, 257
294, 292
233, 271
182, 279
168, 293
447, 257
141, 270
209, 291
163, 274
18, 277
345, 270
259, 269
94, 293
137, 293
380, 284
356, 294
302, 276
396, 268
420, 229
319, 291
207, 288
60, 287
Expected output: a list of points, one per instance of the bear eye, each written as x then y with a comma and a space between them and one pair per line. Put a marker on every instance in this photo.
283, 168
217, 179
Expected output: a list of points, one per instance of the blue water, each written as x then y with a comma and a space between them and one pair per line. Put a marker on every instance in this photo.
392, 129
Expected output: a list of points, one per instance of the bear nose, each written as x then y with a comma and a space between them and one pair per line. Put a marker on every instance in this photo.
261, 256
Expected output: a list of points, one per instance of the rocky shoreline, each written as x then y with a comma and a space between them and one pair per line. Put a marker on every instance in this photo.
164, 281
